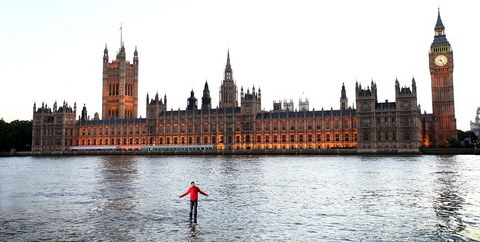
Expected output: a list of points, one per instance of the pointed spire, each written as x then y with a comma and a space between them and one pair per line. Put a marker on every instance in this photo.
439, 25
228, 58
228, 69
343, 93
105, 55
121, 32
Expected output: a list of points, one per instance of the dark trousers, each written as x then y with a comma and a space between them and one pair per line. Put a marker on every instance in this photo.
193, 208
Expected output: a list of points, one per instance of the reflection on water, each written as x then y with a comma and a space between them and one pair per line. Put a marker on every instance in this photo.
448, 203
193, 232
116, 197
250, 198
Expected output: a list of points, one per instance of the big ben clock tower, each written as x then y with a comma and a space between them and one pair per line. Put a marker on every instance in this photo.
441, 71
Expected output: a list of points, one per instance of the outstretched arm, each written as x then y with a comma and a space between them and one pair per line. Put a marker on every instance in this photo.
200, 191
185, 193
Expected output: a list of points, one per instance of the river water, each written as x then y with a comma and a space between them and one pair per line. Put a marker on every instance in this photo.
300, 198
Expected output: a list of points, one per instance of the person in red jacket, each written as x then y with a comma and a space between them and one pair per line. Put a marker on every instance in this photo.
193, 190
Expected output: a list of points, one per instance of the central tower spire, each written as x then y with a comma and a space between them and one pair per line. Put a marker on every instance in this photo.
228, 69
121, 33
228, 89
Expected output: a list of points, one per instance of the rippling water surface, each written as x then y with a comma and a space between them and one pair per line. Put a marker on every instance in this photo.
251, 198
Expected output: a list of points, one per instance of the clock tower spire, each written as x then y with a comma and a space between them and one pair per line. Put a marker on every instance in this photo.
441, 71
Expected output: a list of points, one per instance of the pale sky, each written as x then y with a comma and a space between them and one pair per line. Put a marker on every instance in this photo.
52, 50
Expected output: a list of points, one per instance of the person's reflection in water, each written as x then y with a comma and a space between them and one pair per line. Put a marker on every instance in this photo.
193, 231
449, 201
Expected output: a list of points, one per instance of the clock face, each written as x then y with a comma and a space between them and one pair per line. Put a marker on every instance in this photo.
441, 60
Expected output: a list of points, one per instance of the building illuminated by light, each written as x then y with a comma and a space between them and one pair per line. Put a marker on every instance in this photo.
239, 123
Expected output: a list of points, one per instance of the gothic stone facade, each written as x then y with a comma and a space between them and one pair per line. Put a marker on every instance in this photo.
120, 86
54, 129
388, 126
442, 122
475, 126
229, 127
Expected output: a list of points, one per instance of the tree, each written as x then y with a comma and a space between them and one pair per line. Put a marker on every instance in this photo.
17, 135
468, 136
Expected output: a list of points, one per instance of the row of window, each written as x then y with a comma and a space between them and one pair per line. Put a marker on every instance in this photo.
220, 139
387, 136
49, 142
51, 131
118, 141
114, 89
387, 121
112, 130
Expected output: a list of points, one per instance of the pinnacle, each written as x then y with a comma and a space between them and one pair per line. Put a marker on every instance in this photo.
439, 24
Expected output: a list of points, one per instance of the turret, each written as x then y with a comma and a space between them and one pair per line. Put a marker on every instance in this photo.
303, 104
84, 113
367, 92
414, 85
405, 91
250, 102
365, 98
155, 106
206, 100
343, 98
135, 56
105, 55
192, 101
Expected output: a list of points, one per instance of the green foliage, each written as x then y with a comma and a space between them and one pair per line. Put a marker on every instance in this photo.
466, 136
453, 143
17, 134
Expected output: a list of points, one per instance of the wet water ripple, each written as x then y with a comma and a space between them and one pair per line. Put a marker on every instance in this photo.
331, 198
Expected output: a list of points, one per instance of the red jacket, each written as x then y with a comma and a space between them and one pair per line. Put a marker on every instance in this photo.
194, 193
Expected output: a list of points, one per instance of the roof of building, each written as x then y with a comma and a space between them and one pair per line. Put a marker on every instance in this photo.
440, 40
204, 111
113, 121
439, 24
386, 106
220, 111
427, 116
306, 114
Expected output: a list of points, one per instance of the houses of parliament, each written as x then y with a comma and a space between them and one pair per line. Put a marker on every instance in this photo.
239, 122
